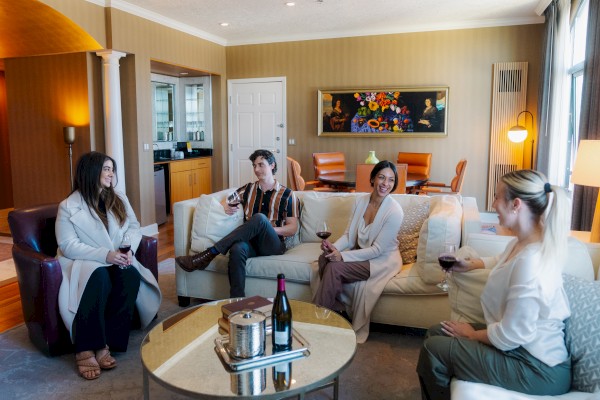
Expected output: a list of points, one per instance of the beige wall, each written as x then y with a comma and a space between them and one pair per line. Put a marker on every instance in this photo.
460, 59
45, 94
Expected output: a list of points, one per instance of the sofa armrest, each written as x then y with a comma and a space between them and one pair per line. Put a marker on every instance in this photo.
471, 220
183, 218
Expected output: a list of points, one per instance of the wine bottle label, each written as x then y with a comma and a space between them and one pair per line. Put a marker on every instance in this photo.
281, 337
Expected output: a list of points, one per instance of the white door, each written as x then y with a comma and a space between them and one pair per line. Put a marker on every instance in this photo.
256, 120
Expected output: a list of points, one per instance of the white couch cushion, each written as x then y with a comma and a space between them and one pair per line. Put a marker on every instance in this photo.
465, 290
442, 226
210, 221
462, 390
295, 264
334, 209
582, 332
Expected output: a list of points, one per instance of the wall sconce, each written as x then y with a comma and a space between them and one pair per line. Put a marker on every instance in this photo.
69, 137
518, 133
585, 172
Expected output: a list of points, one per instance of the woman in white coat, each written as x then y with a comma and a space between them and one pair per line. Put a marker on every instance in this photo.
101, 286
367, 253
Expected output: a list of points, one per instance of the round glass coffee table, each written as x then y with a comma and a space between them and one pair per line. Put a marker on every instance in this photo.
180, 354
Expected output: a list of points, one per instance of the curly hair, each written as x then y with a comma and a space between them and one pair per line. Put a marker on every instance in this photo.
267, 155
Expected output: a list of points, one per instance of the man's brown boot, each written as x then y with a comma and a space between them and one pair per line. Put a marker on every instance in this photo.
197, 261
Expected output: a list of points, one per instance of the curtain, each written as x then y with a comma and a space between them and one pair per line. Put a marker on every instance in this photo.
553, 94
584, 198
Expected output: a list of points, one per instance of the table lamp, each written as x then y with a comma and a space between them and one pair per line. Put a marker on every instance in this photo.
585, 173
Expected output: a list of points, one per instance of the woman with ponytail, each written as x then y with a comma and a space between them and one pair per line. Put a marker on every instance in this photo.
101, 286
521, 347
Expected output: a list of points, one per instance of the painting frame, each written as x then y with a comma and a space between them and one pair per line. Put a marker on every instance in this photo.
397, 112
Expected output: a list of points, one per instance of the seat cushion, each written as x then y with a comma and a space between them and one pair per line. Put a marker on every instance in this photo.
295, 264
582, 332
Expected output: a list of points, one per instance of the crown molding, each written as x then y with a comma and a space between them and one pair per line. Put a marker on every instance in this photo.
541, 6
368, 31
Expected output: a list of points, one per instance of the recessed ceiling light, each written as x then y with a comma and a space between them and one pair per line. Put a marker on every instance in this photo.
224, 24
290, 4
184, 73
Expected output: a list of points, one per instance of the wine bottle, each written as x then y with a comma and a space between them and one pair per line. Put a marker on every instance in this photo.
282, 376
281, 318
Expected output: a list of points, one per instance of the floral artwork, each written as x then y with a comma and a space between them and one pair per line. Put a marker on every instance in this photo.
409, 112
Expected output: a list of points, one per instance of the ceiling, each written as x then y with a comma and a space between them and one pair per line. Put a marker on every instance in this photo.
267, 21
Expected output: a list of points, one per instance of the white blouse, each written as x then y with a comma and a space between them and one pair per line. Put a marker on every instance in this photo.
526, 305
362, 239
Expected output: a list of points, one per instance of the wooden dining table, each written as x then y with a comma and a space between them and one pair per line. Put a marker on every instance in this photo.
346, 180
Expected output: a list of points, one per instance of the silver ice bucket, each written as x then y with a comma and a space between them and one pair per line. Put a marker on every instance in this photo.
247, 334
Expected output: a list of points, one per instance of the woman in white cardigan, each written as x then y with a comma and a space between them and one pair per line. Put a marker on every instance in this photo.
366, 254
100, 286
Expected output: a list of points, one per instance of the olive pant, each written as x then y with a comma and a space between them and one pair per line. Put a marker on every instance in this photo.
443, 357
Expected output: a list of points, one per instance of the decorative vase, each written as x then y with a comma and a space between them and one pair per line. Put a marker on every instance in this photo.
371, 159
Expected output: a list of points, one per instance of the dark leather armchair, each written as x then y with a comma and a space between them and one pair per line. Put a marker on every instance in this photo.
39, 274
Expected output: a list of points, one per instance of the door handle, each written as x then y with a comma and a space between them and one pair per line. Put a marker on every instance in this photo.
281, 125
276, 151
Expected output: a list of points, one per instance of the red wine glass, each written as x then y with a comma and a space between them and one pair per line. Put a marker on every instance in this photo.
233, 200
323, 231
446, 258
125, 247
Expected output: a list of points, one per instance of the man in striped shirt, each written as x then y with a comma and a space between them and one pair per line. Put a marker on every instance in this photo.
270, 216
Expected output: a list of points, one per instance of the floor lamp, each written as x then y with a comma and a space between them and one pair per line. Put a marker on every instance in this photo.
585, 172
69, 136
518, 133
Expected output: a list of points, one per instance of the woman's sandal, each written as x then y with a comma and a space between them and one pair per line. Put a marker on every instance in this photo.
105, 360
87, 365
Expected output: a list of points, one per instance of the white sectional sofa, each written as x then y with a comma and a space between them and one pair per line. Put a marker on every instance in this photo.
410, 299
583, 334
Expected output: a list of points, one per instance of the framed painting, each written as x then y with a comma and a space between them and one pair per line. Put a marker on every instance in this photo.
386, 112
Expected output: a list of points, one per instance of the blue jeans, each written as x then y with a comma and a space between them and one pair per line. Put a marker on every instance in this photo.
256, 237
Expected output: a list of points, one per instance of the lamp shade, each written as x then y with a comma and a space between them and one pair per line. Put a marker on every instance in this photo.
517, 134
587, 164
69, 134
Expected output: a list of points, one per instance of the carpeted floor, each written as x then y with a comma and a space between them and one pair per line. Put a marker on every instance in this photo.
383, 368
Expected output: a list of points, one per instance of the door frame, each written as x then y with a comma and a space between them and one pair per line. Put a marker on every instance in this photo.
282, 167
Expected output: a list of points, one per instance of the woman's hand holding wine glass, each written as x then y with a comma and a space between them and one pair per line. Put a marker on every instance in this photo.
446, 258
323, 233
233, 201
125, 249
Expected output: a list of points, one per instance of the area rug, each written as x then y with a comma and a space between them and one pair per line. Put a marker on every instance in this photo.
383, 368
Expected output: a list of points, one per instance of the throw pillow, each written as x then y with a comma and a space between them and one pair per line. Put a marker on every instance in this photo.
334, 209
442, 226
465, 290
408, 237
582, 332
211, 223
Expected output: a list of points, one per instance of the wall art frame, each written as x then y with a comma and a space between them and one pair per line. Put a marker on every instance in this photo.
384, 112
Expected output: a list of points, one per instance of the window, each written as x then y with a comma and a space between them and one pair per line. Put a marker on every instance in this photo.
575, 71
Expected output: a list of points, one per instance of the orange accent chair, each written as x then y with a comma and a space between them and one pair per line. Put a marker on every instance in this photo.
455, 185
328, 163
363, 178
418, 163
296, 181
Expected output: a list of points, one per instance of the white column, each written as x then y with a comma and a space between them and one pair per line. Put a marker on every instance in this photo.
113, 119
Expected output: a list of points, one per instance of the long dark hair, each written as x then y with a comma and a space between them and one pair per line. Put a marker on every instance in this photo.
87, 182
381, 165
